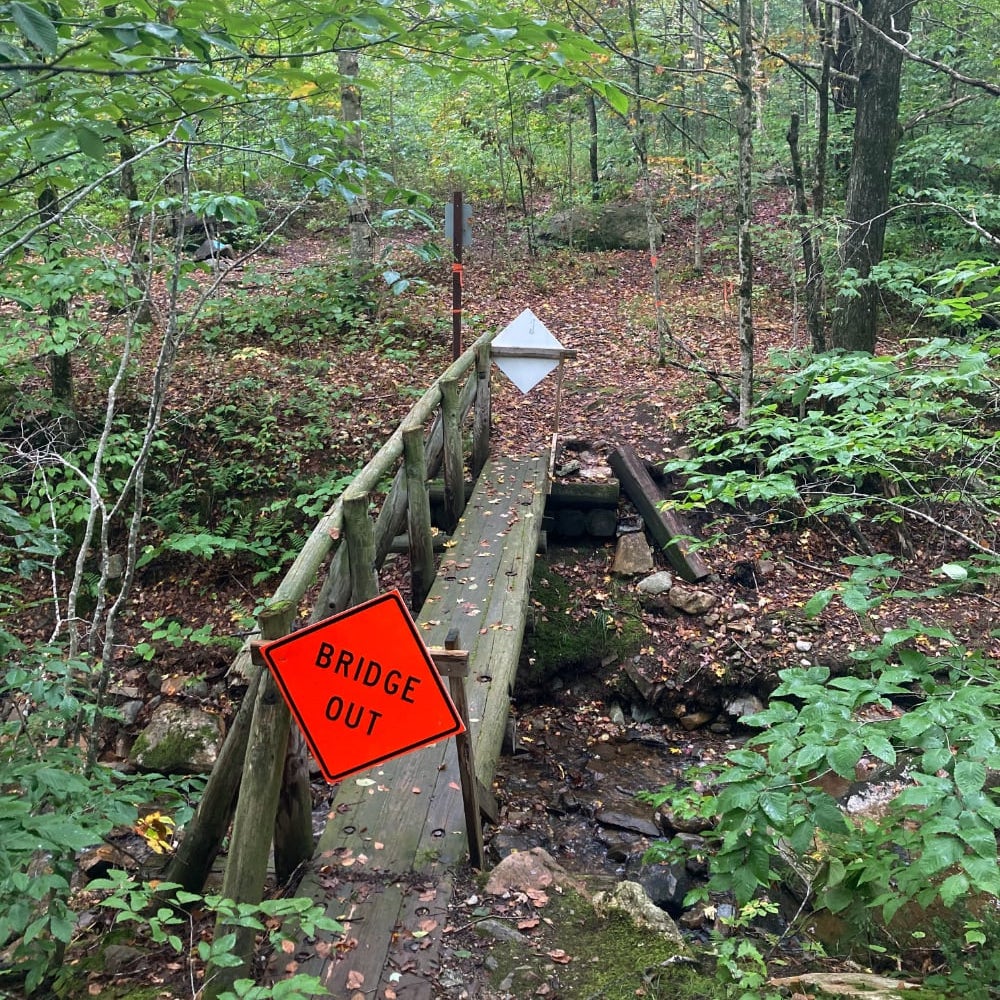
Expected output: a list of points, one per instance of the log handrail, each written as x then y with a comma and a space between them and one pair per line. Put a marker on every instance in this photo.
351, 578
326, 534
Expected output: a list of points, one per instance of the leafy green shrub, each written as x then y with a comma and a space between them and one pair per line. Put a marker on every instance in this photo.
890, 438
54, 803
862, 436
933, 843
162, 911
317, 304
970, 289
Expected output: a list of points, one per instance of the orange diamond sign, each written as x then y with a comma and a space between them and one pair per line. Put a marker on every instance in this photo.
362, 687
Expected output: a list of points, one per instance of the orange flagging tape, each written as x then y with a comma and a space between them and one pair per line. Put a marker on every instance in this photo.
458, 269
652, 261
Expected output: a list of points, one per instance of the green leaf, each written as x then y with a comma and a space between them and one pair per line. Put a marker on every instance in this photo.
953, 888
90, 142
856, 598
878, 745
827, 815
970, 776
843, 757
955, 572
35, 26
817, 603
935, 759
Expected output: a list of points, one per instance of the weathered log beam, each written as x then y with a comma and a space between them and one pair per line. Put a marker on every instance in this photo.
583, 494
667, 529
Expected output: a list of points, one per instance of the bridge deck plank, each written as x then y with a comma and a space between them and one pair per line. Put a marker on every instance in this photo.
395, 834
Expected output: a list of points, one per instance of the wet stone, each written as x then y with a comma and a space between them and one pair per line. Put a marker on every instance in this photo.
619, 846
624, 821
666, 885
504, 843
499, 931
696, 720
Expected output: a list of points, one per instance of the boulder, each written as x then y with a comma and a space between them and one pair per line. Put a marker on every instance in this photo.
178, 740
632, 555
630, 900
667, 885
611, 226
656, 583
530, 870
692, 601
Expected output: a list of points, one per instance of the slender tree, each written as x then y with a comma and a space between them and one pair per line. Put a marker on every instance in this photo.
744, 203
876, 133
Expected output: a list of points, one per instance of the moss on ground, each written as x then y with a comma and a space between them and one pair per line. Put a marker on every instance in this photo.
609, 959
572, 629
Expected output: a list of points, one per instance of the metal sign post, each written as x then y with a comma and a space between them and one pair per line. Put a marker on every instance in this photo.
456, 226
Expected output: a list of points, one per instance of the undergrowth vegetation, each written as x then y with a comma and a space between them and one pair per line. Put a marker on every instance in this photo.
899, 449
239, 474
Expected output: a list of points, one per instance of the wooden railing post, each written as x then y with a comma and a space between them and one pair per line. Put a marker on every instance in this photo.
203, 838
418, 515
360, 537
482, 414
253, 825
454, 462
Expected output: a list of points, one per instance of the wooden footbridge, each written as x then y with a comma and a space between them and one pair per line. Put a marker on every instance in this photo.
395, 835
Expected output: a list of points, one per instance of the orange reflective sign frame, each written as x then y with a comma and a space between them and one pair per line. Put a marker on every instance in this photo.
362, 687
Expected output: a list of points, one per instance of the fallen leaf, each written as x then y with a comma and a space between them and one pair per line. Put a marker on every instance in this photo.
355, 979
558, 955
528, 923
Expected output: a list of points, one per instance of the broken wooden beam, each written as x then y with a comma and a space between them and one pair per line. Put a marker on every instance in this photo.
668, 529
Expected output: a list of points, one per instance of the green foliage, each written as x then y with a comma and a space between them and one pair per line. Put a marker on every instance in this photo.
318, 304
740, 965
54, 803
934, 843
966, 291
867, 439
162, 913
833, 431
173, 633
971, 957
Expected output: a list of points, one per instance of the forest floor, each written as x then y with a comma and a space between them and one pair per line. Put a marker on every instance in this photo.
614, 392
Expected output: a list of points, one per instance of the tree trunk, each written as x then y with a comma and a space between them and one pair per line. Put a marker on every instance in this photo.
698, 134
875, 137
595, 177
60, 362
744, 129
362, 252
810, 256
130, 189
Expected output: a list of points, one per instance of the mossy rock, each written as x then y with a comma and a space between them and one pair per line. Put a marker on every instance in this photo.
611, 226
178, 740
580, 954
